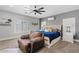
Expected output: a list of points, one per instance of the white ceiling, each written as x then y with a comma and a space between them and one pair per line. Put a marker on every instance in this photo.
50, 9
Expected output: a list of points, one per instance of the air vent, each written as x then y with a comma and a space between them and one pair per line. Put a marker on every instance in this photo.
51, 18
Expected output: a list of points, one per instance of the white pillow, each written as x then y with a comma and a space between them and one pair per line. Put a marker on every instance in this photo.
46, 30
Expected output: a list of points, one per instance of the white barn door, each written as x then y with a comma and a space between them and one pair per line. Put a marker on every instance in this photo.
68, 29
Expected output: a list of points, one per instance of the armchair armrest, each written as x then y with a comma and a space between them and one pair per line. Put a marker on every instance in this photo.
37, 43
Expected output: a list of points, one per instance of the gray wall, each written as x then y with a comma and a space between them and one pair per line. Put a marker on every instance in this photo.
60, 17
9, 30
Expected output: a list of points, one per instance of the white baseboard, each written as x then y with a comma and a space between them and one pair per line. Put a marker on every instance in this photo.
76, 40
16, 36
9, 38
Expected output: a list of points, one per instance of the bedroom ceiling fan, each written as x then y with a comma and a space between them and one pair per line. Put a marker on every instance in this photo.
35, 10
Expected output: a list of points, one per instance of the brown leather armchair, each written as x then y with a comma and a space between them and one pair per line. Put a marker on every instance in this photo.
31, 42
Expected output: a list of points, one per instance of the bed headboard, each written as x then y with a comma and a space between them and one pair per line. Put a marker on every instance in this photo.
56, 26
49, 28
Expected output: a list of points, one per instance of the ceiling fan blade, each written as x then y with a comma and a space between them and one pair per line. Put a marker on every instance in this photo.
26, 8
26, 12
41, 8
42, 11
39, 12
29, 12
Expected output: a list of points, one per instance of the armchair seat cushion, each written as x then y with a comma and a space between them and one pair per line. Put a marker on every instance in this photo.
37, 39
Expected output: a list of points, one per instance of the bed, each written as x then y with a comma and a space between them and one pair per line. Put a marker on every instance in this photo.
52, 37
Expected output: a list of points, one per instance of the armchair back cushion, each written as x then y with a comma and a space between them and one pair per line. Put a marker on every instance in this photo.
35, 34
25, 36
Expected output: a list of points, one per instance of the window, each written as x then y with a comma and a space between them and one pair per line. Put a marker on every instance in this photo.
18, 26
21, 26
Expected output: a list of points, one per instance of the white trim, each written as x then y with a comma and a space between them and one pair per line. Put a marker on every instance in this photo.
76, 40
16, 36
9, 38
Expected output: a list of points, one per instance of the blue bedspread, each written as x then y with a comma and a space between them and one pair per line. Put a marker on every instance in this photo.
51, 35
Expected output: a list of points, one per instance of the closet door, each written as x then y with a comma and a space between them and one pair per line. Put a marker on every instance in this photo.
68, 29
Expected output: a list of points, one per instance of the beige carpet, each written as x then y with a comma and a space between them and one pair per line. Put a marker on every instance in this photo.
11, 46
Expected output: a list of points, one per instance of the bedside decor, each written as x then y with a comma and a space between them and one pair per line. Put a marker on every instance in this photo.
34, 24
